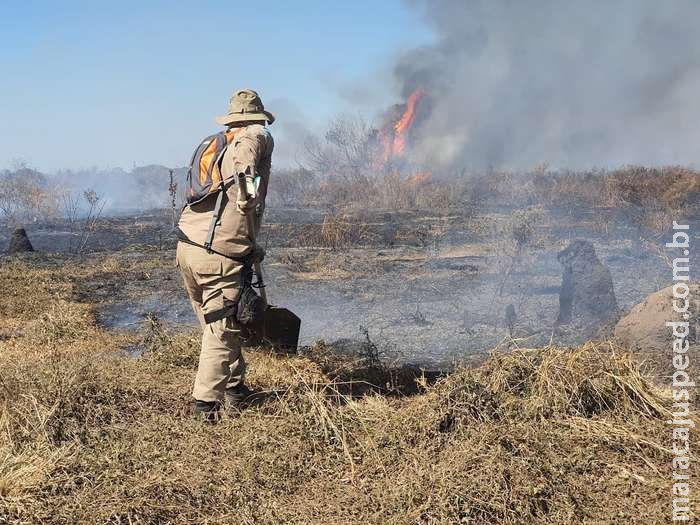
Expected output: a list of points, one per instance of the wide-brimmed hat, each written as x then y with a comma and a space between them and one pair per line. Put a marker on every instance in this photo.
245, 105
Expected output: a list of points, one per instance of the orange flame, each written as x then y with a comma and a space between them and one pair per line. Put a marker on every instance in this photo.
420, 178
393, 136
393, 139
404, 123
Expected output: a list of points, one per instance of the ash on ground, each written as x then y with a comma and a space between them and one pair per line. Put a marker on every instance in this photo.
431, 303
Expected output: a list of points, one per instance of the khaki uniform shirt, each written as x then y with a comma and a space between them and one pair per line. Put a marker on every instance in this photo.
250, 153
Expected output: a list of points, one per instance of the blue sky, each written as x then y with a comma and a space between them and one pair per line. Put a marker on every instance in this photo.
121, 83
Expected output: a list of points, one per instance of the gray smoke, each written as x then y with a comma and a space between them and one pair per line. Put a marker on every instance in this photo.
512, 84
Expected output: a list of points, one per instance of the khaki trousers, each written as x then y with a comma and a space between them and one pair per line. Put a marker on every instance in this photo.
211, 280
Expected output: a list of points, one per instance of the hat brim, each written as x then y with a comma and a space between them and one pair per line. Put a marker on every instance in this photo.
245, 117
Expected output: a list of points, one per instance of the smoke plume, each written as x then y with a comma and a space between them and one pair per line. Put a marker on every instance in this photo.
574, 84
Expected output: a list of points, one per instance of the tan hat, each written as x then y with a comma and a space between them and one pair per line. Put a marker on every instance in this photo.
245, 105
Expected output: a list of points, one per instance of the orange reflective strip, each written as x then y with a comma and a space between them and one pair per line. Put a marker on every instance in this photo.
209, 156
205, 162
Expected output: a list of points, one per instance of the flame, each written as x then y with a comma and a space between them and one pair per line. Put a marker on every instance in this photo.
420, 178
404, 123
393, 140
393, 136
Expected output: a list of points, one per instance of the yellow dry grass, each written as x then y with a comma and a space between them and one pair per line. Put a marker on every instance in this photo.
90, 434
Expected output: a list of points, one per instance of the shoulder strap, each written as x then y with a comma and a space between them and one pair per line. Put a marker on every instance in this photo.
228, 137
216, 216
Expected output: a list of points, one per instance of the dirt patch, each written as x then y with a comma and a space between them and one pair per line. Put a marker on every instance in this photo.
644, 327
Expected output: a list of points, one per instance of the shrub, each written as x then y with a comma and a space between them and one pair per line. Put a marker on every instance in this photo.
26, 196
522, 226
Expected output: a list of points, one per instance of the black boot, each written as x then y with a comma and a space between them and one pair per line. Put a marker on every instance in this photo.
207, 411
239, 396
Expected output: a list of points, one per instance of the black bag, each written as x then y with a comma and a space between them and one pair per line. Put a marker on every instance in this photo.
250, 306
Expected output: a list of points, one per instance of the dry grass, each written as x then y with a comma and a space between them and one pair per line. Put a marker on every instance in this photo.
336, 231
650, 197
89, 434
393, 190
671, 187
344, 230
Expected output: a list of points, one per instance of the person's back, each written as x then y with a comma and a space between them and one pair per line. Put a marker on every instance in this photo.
215, 252
250, 152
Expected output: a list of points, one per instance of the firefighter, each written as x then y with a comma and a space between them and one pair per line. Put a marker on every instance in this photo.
213, 261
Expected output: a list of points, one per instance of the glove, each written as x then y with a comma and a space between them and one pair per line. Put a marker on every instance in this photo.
257, 254
244, 207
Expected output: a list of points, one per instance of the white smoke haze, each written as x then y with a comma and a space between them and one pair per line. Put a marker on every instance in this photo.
574, 84
291, 131
143, 188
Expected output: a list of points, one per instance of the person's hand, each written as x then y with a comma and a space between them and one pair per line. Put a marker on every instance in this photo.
244, 207
257, 254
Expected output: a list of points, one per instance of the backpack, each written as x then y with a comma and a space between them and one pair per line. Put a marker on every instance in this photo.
204, 175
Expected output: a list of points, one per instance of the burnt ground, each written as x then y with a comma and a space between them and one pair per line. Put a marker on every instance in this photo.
428, 289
